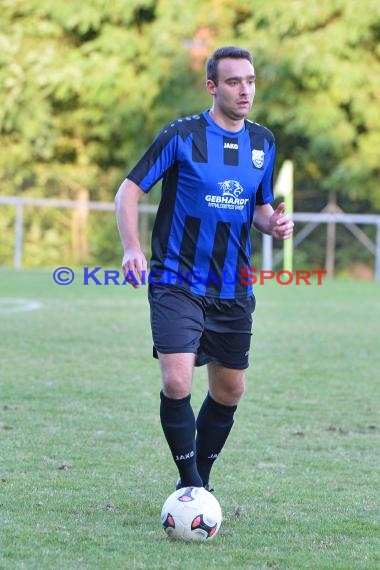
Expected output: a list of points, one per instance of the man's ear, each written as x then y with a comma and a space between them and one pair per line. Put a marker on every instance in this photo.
211, 87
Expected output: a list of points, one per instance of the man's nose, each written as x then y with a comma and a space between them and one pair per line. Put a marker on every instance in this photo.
245, 88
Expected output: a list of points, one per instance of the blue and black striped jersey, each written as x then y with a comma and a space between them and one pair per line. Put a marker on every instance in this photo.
211, 181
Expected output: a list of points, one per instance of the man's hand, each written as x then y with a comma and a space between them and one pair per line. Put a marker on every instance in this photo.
281, 224
134, 266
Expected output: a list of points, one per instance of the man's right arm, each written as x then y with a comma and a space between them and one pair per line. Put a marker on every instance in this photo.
126, 205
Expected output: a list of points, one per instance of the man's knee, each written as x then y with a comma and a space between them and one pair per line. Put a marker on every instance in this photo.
233, 391
177, 374
239, 388
176, 388
226, 386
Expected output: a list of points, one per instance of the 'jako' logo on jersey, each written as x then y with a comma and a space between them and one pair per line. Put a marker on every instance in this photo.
230, 199
234, 146
258, 158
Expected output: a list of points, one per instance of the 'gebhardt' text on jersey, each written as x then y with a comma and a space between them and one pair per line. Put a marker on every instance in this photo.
212, 180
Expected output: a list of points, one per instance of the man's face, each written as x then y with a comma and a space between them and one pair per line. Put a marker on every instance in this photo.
235, 90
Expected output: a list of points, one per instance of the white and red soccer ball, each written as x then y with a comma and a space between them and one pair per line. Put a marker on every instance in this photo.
191, 513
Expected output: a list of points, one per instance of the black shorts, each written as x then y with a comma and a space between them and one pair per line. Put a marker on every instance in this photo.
216, 330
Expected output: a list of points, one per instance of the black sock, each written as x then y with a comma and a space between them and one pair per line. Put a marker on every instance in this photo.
214, 424
178, 423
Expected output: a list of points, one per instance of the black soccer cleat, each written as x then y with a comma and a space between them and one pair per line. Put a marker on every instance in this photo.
206, 486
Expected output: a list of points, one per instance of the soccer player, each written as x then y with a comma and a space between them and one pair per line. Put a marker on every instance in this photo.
217, 172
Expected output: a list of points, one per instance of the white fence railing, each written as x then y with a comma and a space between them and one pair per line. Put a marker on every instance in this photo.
312, 220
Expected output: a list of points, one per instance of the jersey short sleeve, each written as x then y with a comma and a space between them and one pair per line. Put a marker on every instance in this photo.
159, 157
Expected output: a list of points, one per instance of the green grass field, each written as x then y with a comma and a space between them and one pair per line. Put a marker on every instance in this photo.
84, 466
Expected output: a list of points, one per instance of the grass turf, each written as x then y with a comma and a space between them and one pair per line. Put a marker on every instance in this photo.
84, 466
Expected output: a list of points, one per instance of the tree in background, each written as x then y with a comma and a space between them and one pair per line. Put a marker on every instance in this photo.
320, 89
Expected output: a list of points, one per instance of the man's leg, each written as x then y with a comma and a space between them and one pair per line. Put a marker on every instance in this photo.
177, 416
177, 320
215, 418
225, 346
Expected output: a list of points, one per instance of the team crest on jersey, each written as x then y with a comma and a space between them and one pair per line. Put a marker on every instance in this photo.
231, 188
258, 158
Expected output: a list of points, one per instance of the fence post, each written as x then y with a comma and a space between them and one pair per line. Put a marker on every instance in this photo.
79, 228
19, 229
377, 254
284, 187
267, 252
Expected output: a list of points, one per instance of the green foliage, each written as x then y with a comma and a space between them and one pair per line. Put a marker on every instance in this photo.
319, 83
74, 95
85, 87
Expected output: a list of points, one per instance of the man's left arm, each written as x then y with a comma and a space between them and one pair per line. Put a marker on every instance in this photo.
273, 222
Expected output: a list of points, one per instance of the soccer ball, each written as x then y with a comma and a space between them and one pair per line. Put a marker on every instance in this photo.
191, 513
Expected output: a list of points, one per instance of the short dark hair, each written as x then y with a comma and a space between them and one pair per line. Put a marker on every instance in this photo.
223, 53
